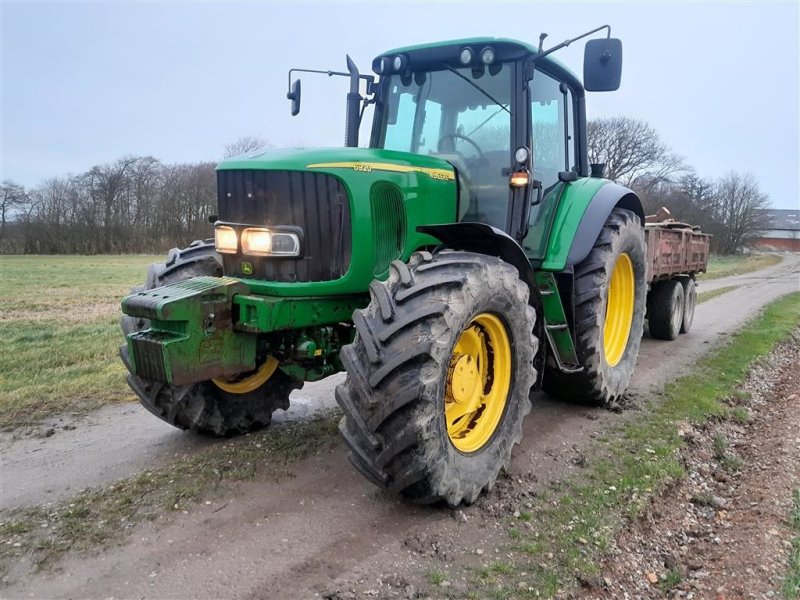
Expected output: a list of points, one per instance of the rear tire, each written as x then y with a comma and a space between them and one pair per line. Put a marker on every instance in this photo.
202, 407
665, 309
689, 303
606, 372
403, 376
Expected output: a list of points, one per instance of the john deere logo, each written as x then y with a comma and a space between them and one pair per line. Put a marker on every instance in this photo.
247, 268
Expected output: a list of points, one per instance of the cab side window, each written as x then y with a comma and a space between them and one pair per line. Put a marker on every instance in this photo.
552, 120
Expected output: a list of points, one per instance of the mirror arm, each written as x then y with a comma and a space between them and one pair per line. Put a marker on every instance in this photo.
370, 79
566, 43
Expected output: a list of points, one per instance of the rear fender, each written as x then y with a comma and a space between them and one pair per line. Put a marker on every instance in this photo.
606, 199
485, 239
579, 222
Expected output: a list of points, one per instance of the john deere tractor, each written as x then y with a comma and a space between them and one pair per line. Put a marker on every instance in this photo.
467, 256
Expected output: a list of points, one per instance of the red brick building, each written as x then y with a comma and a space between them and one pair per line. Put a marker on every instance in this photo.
784, 232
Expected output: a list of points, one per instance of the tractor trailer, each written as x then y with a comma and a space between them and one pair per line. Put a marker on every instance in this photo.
468, 255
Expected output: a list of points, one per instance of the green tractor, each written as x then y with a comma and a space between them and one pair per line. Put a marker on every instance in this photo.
468, 256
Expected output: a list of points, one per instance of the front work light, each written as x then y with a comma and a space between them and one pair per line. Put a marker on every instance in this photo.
225, 239
487, 55
264, 242
465, 56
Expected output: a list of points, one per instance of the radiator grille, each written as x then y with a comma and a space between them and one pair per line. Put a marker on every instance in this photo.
316, 202
389, 224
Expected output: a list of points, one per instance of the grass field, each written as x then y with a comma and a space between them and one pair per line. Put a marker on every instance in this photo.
59, 333
725, 266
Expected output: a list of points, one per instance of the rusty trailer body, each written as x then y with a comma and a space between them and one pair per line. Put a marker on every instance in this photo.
675, 249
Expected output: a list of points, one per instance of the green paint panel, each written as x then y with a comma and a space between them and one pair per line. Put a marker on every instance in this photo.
572, 204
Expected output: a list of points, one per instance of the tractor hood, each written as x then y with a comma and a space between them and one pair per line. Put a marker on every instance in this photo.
334, 160
353, 210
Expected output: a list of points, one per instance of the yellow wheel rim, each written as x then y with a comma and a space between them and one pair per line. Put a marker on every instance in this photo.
249, 383
478, 382
619, 309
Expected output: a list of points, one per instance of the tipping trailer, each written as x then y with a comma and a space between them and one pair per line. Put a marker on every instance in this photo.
468, 256
676, 254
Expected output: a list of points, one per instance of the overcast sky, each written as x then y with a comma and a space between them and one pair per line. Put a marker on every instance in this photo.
86, 83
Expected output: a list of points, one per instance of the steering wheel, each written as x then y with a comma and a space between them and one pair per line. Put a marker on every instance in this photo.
457, 136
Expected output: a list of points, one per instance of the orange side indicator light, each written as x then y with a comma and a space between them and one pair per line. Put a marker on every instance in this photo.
519, 179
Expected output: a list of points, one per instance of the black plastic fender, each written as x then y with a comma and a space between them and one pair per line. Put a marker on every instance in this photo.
483, 238
607, 198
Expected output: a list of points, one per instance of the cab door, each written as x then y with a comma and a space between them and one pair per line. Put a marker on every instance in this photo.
553, 144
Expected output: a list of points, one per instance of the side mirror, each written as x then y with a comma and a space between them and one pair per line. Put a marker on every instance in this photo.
602, 65
294, 96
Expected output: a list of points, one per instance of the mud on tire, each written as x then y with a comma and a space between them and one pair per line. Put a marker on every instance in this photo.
393, 397
202, 407
601, 384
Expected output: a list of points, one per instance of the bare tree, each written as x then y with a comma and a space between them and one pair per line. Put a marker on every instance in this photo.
738, 209
12, 196
633, 152
245, 144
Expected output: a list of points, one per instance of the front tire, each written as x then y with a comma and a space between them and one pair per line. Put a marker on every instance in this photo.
610, 298
220, 408
439, 376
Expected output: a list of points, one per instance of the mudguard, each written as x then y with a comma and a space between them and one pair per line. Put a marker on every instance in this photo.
602, 203
479, 237
582, 210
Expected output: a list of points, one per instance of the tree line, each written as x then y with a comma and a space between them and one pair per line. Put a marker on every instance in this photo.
142, 205
731, 207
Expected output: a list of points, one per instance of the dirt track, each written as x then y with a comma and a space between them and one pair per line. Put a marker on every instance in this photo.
292, 539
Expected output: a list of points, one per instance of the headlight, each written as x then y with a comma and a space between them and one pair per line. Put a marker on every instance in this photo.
225, 239
264, 242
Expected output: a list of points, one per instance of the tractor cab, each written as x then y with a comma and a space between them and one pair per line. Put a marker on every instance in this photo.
508, 118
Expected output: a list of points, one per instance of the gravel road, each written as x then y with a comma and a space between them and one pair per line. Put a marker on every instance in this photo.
292, 539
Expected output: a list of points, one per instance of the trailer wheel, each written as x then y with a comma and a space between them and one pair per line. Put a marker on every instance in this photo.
439, 376
221, 407
689, 303
610, 299
665, 309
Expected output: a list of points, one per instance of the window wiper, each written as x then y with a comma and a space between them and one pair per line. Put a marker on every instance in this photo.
477, 87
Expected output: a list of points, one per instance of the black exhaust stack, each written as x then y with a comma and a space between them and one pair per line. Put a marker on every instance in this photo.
598, 170
353, 114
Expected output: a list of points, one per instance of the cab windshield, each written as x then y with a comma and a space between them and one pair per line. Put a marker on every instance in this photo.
464, 116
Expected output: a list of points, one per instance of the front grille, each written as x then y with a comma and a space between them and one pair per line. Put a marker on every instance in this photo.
389, 223
316, 202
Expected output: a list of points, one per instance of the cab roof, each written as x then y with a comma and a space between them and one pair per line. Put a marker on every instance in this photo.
512, 49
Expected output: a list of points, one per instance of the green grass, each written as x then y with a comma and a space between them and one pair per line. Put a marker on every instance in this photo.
103, 517
737, 264
791, 584
59, 330
637, 460
673, 580
435, 576
704, 296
